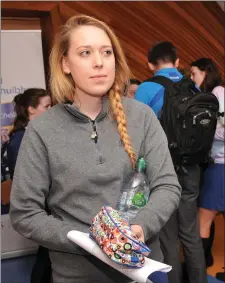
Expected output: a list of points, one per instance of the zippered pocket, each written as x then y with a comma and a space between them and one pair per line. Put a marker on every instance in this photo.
199, 114
198, 130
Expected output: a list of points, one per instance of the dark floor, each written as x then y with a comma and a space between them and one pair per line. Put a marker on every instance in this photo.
17, 270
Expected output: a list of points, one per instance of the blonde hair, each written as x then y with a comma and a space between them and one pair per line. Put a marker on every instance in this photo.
63, 86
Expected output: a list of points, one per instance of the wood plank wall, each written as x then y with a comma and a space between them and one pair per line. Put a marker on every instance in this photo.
196, 28
12, 23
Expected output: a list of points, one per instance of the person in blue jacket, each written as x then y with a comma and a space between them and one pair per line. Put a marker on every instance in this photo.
151, 93
183, 224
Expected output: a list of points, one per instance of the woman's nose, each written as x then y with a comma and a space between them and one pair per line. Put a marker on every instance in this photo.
98, 61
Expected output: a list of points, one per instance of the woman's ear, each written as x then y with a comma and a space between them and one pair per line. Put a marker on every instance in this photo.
31, 110
177, 62
65, 66
151, 67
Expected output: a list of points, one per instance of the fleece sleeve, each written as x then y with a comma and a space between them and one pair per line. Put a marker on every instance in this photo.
165, 189
30, 189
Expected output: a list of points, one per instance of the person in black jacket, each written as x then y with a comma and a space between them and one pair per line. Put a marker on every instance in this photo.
28, 105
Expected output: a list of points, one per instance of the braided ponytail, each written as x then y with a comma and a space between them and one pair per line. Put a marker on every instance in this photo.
117, 109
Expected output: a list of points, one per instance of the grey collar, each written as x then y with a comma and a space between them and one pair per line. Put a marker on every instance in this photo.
73, 109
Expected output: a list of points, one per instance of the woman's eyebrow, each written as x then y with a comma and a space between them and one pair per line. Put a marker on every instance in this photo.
90, 46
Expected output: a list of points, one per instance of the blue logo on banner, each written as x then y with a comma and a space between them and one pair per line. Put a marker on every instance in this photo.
7, 114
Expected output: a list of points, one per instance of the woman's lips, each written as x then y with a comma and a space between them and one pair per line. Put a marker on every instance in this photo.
98, 77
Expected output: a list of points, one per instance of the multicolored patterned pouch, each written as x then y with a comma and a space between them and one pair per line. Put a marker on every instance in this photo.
113, 234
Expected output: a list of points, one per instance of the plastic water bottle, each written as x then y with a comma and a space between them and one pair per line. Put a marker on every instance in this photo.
135, 194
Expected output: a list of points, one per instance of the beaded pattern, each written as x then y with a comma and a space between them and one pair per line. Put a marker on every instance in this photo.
113, 234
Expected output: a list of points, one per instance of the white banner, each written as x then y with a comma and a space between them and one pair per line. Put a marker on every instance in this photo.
21, 68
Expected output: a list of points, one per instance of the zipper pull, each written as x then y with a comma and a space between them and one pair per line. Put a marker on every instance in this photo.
93, 135
207, 111
194, 120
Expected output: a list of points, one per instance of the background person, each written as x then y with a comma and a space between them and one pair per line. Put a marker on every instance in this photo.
28, 106
132, 88
206, 75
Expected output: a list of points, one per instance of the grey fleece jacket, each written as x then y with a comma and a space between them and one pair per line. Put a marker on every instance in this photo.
59, 162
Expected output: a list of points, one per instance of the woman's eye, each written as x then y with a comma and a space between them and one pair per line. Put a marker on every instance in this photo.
85, 53
108, 52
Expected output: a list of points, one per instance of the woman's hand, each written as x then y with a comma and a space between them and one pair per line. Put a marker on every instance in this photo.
138, 231
4, 136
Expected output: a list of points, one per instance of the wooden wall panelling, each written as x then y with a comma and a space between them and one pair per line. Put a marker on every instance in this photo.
12, 23
144, 27
66, 11
213, 16
147, 22
50, 25
94, 9
199, 30
179, 29
196, 28
27, 8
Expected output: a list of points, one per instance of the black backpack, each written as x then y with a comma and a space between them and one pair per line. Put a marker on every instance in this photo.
189, 119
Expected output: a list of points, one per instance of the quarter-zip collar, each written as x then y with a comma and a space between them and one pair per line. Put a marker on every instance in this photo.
72, 109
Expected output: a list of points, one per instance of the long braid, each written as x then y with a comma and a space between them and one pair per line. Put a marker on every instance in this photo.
117, 109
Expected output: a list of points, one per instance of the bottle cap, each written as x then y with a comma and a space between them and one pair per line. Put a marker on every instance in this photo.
141, 164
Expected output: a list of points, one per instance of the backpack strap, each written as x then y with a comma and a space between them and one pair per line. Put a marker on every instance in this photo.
156, 98
165, 82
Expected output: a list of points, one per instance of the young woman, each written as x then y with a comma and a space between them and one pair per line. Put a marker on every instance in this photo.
28, 105
206, 75
78, 155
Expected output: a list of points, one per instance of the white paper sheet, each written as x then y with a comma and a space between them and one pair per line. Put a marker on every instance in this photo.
139, 275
